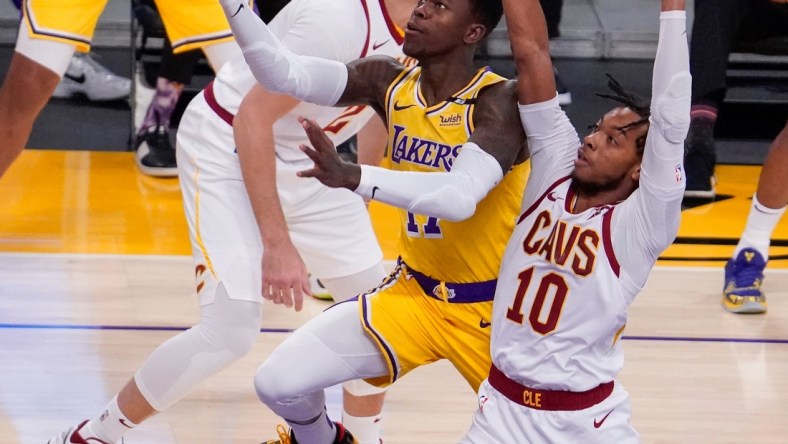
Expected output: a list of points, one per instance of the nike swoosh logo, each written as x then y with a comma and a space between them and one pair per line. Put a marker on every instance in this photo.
373, 192
378, 45
598, 424
397, 107
241, 6
484, 324
78, 79
123, 421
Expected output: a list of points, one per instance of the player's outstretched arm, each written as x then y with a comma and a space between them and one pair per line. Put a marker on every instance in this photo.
316, 80
496, 144
527, 30
670, 105
650, 217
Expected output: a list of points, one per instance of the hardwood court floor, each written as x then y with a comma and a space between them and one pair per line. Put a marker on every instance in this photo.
94, 275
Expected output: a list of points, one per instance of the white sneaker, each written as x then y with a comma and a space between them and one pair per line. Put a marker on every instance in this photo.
72, 436
86, 76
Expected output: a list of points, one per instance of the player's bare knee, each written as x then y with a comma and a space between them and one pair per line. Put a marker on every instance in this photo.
359, 387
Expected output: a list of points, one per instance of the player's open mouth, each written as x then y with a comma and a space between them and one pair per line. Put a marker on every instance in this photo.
581, 158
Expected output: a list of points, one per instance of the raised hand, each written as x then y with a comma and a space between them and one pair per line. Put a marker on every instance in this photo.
329, 169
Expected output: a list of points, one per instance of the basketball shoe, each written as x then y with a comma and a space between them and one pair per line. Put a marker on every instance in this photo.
743, 278
155, 155
88, 77
343, 436
72, 436
318, 290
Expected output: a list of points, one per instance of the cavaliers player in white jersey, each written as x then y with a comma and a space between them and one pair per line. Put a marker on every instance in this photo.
595, 216
255, 226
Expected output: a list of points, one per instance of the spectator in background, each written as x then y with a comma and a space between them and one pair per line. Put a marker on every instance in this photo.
744, 272
718, 25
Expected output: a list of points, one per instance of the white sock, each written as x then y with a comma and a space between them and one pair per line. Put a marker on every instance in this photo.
366, 429
110, 426
760, 225
318, 430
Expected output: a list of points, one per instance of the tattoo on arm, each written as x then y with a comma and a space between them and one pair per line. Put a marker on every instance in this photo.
498, 130
368, 80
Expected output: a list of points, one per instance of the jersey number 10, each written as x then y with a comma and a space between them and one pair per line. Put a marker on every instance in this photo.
560, 289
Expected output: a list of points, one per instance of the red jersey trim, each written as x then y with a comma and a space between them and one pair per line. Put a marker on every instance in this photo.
541, 198
394, 30
607, 241
369, 27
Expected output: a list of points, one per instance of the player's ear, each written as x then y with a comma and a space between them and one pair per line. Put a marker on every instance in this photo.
636, 173
475, 33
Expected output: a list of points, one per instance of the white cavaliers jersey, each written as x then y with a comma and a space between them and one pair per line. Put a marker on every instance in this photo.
566, 279
559, 309
340, 30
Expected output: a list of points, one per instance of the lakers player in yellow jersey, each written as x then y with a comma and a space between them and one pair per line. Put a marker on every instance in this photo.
437, 303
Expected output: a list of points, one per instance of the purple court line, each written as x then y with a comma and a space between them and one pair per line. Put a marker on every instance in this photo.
290, 330
117, 327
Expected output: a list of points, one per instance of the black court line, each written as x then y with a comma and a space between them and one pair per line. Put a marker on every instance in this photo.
777, 257
290, 330
722, 241
690, 240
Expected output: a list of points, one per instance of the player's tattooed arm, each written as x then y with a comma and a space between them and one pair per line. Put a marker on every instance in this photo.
498, 130
367, 82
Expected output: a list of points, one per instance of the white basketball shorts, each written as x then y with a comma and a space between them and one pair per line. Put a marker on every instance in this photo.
330, 227
499, 420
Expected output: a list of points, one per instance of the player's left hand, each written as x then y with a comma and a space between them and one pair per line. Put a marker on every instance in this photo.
329, 168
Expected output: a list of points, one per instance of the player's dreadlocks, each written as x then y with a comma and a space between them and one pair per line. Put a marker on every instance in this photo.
634, 102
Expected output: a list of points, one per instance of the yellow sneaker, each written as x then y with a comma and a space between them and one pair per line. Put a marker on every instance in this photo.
285, 437
318, 290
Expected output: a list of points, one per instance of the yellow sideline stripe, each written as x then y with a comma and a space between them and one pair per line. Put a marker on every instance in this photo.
98, 202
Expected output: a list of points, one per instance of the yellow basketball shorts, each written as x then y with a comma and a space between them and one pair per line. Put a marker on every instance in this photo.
193, 24
66, 21
413, 327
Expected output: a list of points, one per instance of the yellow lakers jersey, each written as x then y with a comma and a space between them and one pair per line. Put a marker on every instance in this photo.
429, 138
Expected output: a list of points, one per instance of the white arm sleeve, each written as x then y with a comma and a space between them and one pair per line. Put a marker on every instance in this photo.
277, 68
451, 196
650, 217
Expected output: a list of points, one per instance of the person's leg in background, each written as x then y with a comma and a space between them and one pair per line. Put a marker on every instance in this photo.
154, 152
155, 155
86, 76
744, 271
37, 66
716, 24
27, 87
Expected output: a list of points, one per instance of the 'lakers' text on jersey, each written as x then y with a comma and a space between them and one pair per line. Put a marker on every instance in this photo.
429, 138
